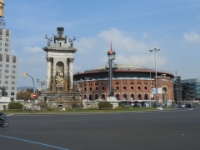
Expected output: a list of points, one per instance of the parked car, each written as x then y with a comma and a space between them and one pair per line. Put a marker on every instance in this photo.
179, 106
189, 106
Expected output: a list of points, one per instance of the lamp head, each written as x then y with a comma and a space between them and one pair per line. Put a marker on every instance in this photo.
150, 50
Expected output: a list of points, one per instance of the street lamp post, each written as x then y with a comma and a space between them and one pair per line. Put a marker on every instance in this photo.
155, 50
87, 82
41, 84
150, 84
33, 102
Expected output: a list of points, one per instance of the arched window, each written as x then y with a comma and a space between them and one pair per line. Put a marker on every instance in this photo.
139, 88
164, 94
117, 88
103, 96
96, 96
125, 96
146, 96
132, 88
117, 96
90, 89
96, 88
132, 96
124, 87
90, 97
85, 97
145, 87
139, 96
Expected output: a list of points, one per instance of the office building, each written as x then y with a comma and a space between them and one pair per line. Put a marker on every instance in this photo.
8, 62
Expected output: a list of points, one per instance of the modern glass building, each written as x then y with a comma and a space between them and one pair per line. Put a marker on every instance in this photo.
190, 89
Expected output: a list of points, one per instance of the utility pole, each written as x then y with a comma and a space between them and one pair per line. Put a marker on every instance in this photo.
24, 75
156, 50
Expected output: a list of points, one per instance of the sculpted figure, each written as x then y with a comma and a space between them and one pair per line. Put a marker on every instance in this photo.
59, 78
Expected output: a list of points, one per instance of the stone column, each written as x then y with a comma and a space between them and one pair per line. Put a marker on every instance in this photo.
71, 73
48, 77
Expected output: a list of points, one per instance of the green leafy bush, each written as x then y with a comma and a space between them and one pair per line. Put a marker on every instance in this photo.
51, 109
105, 105
15, 105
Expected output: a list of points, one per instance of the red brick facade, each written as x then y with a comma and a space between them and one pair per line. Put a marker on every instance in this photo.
130, 89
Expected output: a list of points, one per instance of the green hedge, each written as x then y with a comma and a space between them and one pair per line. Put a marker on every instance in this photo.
105, 105
15, 105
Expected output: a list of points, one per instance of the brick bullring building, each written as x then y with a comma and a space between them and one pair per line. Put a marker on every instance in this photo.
130, 82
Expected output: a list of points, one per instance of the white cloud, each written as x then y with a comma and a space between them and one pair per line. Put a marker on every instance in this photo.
32, 61
85, 44
141, 60
128, 50
121, 41
192, 37
77, 69
33, 49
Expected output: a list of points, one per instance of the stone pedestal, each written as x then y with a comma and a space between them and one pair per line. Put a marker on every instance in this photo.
61, 100
113, 101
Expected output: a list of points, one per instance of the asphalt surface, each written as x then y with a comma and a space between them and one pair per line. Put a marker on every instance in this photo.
156, 130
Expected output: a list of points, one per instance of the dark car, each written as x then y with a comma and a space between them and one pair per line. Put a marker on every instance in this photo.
189, 106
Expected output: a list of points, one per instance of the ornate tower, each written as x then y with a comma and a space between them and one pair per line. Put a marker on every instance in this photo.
60, 59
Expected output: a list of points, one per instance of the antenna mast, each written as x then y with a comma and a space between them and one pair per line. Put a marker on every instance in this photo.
2, 22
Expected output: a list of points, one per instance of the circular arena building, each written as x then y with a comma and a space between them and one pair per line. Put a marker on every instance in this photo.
130, 82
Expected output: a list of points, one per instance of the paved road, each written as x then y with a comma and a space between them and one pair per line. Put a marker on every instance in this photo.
163, 130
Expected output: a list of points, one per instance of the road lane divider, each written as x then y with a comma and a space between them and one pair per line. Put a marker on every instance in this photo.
33, 142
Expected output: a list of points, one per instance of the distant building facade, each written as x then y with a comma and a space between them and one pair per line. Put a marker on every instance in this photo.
8, 62
190, 89
177, 89
130, 82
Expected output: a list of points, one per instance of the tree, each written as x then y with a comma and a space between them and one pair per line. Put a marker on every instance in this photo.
25, 95
29, 90
105, 105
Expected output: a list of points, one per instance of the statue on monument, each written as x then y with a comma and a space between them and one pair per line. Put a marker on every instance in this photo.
72, 41
59, 79
48, 40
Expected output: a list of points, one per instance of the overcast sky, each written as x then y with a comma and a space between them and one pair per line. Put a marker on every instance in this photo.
133, 26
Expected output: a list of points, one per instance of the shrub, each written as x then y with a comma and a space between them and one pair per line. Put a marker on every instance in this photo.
51, 109
77, 106
105, 105
15, 105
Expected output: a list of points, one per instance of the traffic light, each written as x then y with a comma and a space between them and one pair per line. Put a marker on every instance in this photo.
24, 74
